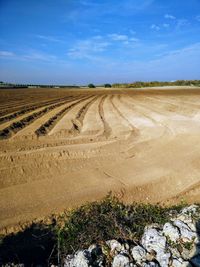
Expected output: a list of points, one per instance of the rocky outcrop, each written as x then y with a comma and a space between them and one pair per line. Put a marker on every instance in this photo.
174, 244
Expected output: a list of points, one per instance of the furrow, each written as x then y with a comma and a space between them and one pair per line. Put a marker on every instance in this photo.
28, 109
121, 114
50, 124
117, 124
107, 130
78, 121
19, 125
92, 123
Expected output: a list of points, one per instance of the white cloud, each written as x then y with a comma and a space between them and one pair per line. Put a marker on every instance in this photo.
48, 38
134, 39
125, 39
91, 48
6, 54
29, 55
88, 48
155, 27
36, 55
118, 37
166, 25
168, 16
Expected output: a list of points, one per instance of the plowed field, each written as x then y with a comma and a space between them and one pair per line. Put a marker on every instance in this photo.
60, 148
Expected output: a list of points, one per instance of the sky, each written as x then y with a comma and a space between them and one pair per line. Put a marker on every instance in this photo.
99, 41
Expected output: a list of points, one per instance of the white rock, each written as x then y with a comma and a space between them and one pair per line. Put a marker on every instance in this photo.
154, 240
191, 210
151, 264
115, 245
121, 260
178, 262
139, 254
187, 235
171, 231
163, 258
186, 216
80, 259
175, 253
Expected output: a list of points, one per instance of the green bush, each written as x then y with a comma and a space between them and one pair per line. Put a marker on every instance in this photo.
91, 85
107, 85
108, 219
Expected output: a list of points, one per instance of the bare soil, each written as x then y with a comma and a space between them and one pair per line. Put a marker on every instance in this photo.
60, 148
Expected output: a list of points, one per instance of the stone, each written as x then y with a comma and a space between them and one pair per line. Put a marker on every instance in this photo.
154, 240
151, 264
171, 231
186, 215
186, 234
191, 210
114, 245
80, 259
121, 260
175, 252
139, 254
178, 262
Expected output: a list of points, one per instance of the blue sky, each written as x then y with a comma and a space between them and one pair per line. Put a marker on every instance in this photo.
99, 41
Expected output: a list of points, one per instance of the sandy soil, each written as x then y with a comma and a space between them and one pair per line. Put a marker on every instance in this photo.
143, 145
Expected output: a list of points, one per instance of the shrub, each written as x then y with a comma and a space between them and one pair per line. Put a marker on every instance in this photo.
91, 85
108, 219
107, 85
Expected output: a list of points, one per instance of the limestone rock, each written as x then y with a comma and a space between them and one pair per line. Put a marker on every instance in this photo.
178, 262
80, 259
151, 264
121, 260
171, 231
114, 245
186, 234
139, 254
154, 240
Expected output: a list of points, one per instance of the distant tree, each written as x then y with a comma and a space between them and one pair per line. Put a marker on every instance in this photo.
91, 85
107, 85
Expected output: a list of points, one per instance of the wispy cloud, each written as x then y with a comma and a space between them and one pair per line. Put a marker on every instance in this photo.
29, 55
165, 25
6, 54
48, 38
155, 27
182, 23
92, 47
88, 48
118, 37
188, 49
123, 38
169, 16
36, 55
